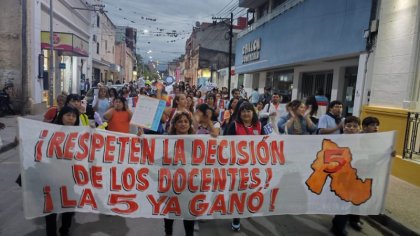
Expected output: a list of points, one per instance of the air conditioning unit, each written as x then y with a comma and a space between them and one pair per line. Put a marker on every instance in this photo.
94, 38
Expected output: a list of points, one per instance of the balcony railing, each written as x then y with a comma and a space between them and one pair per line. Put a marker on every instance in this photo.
412, 137
277, 11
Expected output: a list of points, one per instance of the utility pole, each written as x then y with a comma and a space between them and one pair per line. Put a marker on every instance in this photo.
230, 45
230, 52
51, 60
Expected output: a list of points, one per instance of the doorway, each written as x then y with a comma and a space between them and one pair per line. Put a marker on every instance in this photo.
350, 79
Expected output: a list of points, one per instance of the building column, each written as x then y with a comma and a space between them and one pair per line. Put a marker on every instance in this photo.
395, 79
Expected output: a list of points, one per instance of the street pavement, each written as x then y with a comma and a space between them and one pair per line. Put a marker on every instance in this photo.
12, 221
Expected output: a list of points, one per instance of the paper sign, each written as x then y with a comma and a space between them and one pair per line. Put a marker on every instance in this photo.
148, 112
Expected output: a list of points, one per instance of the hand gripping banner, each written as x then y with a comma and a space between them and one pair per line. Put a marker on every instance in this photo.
67, 168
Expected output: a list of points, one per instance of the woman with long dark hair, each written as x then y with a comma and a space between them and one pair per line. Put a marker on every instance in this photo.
181, 124
68, 116
245, 123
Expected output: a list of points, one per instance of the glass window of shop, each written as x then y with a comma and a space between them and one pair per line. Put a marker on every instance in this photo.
313, 81
281, 82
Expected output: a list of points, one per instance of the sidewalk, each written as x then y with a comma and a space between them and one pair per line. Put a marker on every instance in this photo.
9, 133
402, 209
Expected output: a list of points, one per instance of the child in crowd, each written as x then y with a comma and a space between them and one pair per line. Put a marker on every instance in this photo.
119, 116
351, 126
68, 116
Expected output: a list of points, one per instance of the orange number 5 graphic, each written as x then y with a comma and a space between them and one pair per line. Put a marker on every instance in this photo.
334, 156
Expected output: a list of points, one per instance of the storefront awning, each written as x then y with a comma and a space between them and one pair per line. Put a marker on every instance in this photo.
100, 62
67, 43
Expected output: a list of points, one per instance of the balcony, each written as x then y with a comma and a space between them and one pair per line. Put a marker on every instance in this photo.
251, 3
279, 10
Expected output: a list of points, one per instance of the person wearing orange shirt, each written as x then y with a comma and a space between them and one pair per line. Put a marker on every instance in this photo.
119, 116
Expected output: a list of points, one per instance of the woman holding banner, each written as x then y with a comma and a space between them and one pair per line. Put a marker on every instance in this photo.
67, 116
181, 124
245, 123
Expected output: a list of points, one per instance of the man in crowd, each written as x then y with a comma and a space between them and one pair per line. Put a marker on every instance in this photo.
273, 111
236, 93
331, 122
242, 92
255, 97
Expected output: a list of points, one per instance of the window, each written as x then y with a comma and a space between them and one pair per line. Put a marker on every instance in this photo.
281, 82
106, 45
97, 21
97, 48
313, 81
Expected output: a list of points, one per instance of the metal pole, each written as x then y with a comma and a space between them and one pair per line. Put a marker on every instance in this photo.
24, 94
51, 60
230, 52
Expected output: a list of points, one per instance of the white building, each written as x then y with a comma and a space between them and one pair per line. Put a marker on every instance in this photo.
71, 27
103, 49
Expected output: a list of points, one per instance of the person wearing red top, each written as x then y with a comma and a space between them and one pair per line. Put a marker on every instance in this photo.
119, 116
52, 112
246, 123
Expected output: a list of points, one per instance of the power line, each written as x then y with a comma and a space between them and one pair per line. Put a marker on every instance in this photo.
224, 7
226, 14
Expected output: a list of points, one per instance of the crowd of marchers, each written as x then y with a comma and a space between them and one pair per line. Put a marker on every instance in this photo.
196, 110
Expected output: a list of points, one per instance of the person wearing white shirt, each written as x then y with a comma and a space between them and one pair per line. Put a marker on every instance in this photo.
273, 111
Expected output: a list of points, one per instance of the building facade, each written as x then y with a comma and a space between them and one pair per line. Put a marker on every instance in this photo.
103, 44
391, 90
71, 33
364, 53
298, 46
125, 54
207, 50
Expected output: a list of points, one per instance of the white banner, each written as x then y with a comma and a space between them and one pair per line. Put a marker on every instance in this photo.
69, 168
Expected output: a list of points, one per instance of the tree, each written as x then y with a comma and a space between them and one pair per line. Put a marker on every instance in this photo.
144, 70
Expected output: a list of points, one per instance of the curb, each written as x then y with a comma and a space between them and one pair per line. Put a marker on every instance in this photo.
391, 225
7, 147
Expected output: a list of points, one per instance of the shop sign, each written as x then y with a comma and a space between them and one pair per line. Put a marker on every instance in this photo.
69, 44
251, 51
80, 46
